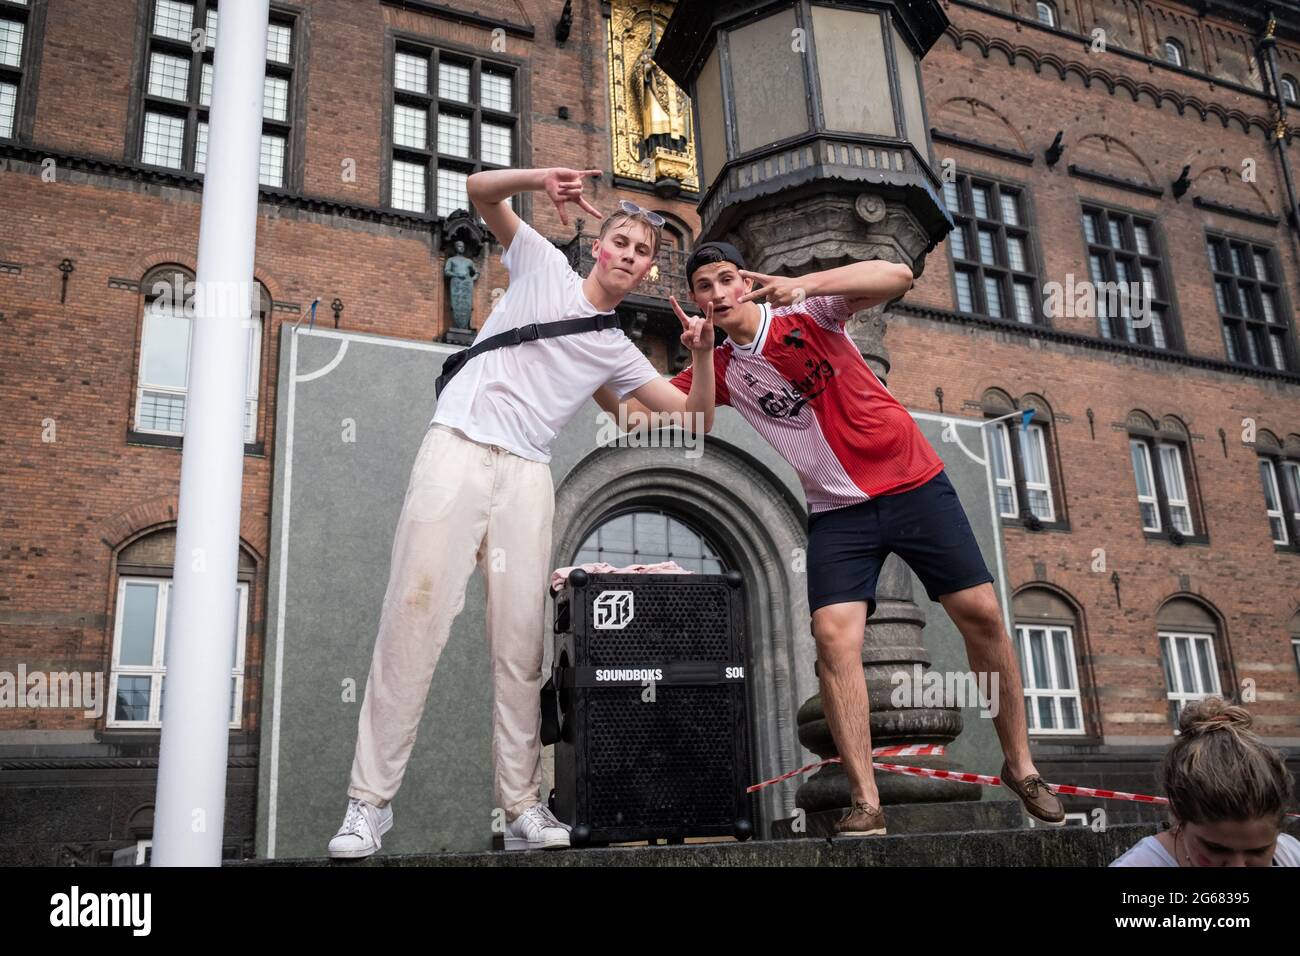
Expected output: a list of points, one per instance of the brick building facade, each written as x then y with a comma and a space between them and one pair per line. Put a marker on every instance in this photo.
1138, 532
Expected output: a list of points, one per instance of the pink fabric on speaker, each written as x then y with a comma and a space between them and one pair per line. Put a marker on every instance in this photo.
560, 575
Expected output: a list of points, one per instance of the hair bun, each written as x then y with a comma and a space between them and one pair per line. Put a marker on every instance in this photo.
1210, 714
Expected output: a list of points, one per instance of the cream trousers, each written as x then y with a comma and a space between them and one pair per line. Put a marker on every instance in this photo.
467, 504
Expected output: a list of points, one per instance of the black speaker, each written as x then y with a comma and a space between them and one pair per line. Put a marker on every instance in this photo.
649, 697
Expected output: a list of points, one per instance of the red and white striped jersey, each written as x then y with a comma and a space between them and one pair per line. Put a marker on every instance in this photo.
804, 385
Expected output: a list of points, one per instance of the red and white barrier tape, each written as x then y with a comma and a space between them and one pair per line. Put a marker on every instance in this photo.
909, 750
976, 778
991, 781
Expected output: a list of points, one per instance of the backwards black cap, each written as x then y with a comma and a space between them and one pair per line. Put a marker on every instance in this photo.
708, 253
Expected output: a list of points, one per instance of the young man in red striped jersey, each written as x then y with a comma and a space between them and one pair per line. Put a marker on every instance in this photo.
873, 485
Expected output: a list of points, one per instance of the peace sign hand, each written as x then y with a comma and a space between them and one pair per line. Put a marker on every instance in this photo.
780, 290
565, 185
697, 331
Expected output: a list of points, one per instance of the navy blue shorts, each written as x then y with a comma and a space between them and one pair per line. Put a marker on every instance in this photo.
926, 527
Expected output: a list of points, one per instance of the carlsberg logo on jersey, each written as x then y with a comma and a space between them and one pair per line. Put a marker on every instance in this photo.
612, 611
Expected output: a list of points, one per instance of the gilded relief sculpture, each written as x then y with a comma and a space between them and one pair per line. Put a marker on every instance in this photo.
651, 128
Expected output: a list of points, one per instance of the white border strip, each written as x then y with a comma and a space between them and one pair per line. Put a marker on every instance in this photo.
993, 503
273, 795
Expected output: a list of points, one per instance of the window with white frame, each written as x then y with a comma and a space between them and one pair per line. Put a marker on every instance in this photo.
1046, 14
1190, 669
1174, 52
1038, 486
1023, 477
1279, 478
19, 24
1003, 471
1289, 90
1032, 463
1291, 496
452, 115
1175, 486
1140, 452
1273, 506
163, 376
1050, 679
139, 664
1163, 477
178, 90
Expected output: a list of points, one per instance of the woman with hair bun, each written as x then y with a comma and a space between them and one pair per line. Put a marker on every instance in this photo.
1228, 795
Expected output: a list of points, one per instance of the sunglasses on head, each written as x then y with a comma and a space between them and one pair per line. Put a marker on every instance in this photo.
632, 209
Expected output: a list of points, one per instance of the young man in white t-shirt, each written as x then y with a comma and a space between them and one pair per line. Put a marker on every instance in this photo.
480, 493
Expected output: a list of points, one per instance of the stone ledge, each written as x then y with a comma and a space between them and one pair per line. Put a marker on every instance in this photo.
1067, 846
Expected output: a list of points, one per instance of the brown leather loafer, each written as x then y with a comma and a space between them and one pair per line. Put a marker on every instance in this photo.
1039, 800
861, 820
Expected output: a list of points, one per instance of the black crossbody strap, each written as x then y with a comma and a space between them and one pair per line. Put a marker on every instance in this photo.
544, 330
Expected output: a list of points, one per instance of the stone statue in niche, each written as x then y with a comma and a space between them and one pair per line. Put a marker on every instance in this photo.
461, 275
663, 118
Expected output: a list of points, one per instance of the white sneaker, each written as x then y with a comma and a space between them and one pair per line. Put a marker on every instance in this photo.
363, 826
537, 829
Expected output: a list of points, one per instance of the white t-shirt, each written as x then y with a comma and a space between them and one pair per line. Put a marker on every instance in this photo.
520, 396
1149, 852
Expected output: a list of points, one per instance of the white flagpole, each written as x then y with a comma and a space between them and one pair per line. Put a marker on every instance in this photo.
190, 806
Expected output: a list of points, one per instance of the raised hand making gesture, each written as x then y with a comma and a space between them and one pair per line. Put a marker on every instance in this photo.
565, 185
780, 290
697, 330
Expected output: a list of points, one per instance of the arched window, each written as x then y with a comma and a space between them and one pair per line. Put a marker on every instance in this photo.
673, 238
1279, 474
1289, 89
1162, 469
1295, 639
1189, 635
649, 537
1046, 626
1021, 456
142, 625
1174, 52
162, 382
1046, 13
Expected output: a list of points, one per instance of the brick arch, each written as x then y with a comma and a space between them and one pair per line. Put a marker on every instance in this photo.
1223, 184
161, 256
1175, 425
1113, 155
679, 225
1140, 419
1039, 402
187, 259
1200, 601
156, 514
1055, 590
996, 397
1265, 440
978, 120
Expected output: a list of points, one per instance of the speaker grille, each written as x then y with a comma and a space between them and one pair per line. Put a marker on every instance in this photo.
681, 623
663, 763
